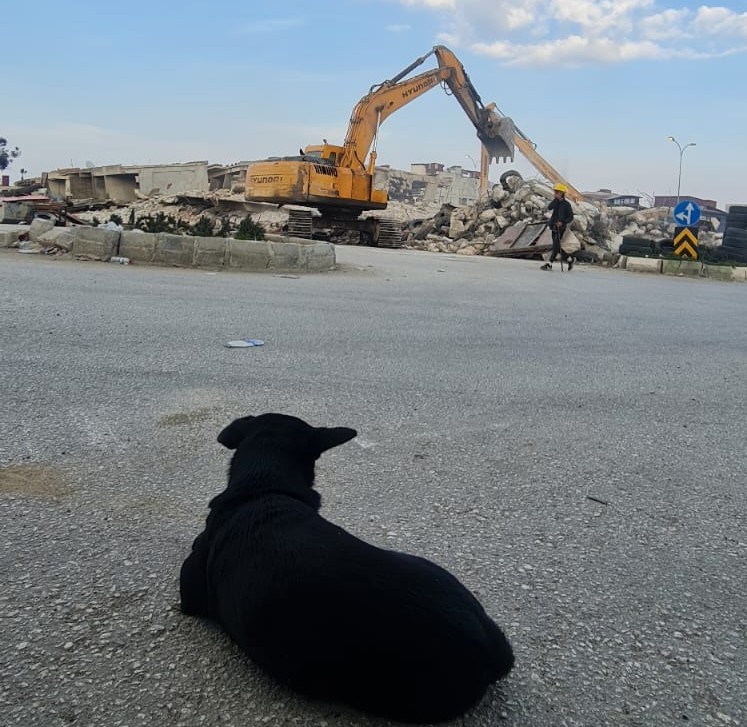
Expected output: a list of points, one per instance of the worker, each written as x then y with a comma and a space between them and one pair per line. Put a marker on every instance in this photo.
562, 216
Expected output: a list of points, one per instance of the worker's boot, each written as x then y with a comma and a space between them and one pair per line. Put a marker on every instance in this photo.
571, 263
546, 266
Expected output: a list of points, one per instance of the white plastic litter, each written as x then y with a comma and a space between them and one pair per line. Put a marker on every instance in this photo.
245, 343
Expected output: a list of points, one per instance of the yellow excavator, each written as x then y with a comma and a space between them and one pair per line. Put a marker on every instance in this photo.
339, 180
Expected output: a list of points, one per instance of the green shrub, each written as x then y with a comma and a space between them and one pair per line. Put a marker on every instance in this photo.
204, 227
161, 222
250, 230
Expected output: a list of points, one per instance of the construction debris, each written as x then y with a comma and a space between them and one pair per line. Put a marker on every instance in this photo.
512, 223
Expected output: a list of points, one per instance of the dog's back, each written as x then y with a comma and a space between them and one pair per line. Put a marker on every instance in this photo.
336, 618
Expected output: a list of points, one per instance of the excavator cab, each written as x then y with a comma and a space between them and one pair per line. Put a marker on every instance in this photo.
325, 153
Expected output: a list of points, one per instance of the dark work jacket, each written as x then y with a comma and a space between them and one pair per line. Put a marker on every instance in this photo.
561, 212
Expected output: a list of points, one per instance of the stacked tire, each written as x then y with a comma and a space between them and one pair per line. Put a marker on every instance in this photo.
734, 246
637, 246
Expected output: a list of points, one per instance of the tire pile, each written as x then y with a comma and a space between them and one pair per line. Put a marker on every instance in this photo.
642, 246
734, 247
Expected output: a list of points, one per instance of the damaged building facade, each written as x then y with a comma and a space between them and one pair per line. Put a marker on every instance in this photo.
430, 183
124, 184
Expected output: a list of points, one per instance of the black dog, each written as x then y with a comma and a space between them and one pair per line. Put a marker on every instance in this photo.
320, 610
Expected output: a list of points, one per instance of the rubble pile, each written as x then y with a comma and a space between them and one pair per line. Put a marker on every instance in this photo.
218, 207
477, 229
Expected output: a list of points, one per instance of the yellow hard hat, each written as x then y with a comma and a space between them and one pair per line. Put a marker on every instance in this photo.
560, 188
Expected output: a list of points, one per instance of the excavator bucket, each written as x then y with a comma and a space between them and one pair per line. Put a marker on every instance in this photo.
497, 133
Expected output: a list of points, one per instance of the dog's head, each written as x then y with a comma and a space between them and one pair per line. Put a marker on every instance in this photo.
279, 441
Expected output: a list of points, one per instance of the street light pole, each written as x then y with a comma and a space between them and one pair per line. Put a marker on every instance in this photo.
682, 151
474, 163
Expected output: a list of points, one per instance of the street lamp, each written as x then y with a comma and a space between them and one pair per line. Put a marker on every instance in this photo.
682, 151
474, 163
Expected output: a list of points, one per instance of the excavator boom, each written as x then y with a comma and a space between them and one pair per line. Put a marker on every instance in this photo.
383, 99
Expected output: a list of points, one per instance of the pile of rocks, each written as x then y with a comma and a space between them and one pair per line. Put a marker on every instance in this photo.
474, 230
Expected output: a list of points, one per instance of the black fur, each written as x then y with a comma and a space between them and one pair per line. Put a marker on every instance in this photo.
320, 610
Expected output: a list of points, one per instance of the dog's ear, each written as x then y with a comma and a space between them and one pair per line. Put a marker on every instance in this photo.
232, 435
325, 438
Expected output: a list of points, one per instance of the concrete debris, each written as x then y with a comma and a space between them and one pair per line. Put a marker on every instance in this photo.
502, 224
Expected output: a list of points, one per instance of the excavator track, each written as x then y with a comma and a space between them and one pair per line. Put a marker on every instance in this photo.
300, 224
389, 233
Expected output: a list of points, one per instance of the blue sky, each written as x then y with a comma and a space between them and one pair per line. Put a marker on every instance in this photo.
598, 85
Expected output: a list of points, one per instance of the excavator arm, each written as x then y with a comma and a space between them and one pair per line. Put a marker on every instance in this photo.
495, 132
529, 150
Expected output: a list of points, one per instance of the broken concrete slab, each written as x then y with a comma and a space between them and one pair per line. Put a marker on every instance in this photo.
38, 227
60, 237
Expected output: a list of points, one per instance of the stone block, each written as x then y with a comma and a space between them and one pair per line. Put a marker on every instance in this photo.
248, 254
718, 272
739, 274
95, 242
174, 250
210, 252
61, 237
286, 256
138, 246
643, 265
38, 227
689, 268
9, 239
319, 257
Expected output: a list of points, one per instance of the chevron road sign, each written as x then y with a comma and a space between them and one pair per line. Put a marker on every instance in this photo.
686, 241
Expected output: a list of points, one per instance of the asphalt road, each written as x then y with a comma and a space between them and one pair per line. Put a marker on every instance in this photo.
492, 402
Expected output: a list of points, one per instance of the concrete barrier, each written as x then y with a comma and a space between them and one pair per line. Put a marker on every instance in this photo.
739, 274
286, 256
138, 246
719, 272
320, 256
279, 254
689, 268
174, 250
210, 252
643, 265
248, 254
9, 238
95, 242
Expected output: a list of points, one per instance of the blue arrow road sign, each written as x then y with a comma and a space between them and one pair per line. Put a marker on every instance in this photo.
687, 213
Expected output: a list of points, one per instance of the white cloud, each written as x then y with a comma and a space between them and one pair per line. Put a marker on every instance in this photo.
398, 28
271, 25
720, 21
589, 32
667, 25
574, 50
